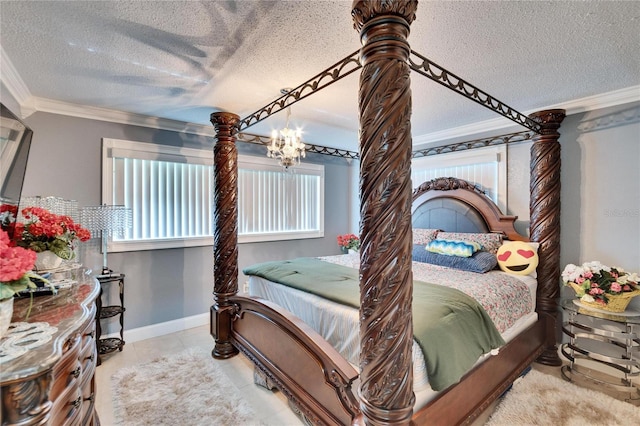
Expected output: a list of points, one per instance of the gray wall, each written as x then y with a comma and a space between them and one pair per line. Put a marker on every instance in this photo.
161, 285
600, 202
601, 187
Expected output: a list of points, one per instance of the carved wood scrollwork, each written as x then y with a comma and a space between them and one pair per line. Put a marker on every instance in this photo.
386, 280
225, 239
225, 246
447, 184
27, 401
544, 210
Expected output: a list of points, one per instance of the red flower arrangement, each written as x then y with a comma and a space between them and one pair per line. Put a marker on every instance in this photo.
8, 214
349, 241
44, 230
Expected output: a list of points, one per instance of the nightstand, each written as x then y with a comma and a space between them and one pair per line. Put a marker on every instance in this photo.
607, 338
111, 344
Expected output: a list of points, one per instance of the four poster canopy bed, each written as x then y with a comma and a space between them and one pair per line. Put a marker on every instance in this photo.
314, 368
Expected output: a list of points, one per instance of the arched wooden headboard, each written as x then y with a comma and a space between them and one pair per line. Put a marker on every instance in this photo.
447, 188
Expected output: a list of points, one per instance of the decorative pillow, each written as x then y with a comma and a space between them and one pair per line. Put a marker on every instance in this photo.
480, 261
490, 241
518, 257
453, 247
424, 236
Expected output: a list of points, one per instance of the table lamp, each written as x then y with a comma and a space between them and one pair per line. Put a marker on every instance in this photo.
106, 221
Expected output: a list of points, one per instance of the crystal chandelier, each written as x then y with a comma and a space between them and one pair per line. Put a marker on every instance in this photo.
286, 145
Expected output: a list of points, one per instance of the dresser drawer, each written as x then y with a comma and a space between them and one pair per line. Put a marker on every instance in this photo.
88, 331
88, 399
87, 351
67, 408
67, 371
88, 365
59, 389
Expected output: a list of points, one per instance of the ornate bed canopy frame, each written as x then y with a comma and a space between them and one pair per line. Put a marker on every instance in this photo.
385, 230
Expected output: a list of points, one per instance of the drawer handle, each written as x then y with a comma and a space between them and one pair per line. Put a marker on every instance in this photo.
77, 402
76, 373
90, 397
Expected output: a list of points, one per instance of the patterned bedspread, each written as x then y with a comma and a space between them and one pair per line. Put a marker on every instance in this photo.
505, 297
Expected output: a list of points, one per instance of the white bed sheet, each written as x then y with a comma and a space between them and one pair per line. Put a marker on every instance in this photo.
338, 324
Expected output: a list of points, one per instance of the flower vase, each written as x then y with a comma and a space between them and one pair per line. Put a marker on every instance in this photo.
47, 260
6, 312
617, 302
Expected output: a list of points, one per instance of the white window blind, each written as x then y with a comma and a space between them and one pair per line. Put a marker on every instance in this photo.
486, 167
273, 204
170, 191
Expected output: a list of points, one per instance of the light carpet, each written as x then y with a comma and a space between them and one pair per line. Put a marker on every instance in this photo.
541, 399
187, 388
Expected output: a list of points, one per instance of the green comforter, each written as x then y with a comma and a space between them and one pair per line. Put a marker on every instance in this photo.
452, 329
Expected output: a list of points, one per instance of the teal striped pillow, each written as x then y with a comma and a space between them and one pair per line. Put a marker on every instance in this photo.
453, 247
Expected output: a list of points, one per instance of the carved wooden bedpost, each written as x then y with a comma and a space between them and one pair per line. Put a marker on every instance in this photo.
544, 207
386, 280
225, 243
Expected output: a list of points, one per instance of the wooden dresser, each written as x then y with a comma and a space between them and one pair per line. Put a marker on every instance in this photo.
53, 384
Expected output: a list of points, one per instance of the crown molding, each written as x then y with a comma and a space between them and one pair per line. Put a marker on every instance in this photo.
15, 85
122, 117
589, 103
29, 104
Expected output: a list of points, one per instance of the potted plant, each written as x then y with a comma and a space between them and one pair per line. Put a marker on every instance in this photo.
348, 242
50, 235
16, 264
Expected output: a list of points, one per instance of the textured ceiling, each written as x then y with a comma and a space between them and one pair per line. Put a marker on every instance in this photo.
183, 60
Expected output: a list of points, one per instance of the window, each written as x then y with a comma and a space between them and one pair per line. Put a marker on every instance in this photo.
274, 205
486, 167
170, 191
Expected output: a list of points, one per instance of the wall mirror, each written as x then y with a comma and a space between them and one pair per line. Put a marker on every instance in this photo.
15, 141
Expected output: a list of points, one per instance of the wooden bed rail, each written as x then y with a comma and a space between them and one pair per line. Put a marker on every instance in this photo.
315, 378
462, 405
321, 384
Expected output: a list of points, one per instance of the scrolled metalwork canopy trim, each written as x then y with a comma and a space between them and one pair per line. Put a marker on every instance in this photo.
446, 78
325, 78
523, 136
476, 143
427, 68
318, 149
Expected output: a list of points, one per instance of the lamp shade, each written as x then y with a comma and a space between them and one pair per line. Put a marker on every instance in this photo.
55, 205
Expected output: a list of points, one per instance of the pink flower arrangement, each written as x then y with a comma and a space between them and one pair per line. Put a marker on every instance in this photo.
594, 282
44, 230
16, 264
349, 241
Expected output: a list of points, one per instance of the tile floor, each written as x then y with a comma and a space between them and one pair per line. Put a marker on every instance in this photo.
271, 406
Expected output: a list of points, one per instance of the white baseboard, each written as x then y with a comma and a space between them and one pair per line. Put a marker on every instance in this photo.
155, 330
